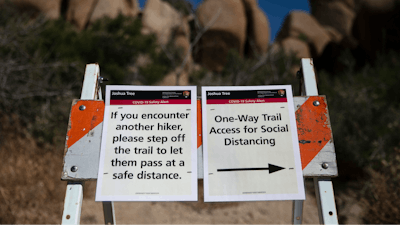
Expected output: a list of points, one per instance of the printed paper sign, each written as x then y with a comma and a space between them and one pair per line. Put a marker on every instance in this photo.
250, 144
148, 148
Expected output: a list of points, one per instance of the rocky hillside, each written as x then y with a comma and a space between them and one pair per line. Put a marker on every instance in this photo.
365, 27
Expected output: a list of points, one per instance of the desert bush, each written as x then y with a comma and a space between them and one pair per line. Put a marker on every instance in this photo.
266, 69
32, 82
43, 63
364, 107
41, 71
30, 187
365, 111
383, 194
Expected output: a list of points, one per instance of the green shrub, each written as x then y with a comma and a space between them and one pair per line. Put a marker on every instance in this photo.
43, 64
364, 108
268, 69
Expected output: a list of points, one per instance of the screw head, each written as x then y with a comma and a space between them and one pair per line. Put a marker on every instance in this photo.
82, 107
74, 168
103, 79
316, 103
325, 165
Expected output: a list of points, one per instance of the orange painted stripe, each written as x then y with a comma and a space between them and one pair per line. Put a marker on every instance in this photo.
199, 123
84, 121
312, 128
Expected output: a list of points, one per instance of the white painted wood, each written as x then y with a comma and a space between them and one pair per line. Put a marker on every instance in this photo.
310, 82
90, 85
309, 88
326, 155
74, 196
323, 186
200, 166
85, 155
326, 201
99, 94
73, 203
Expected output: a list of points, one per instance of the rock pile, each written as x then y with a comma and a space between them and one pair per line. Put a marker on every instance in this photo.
231, 24
367, 25
169, 26
82, 13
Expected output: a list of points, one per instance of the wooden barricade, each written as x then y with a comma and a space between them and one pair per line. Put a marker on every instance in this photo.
82, 149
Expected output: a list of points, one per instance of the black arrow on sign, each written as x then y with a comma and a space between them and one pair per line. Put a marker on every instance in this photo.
271, 168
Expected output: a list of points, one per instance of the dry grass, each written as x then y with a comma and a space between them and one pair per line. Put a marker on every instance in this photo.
31, 190
200, 205
30, 186
384, 202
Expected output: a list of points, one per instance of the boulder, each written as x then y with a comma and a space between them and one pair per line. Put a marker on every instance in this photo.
295, 46
111, 8
171, 79
50, 9
168, 24
275, 48
379, 6
160, 18
336, 14
78, 12
335, 35
81, 13
227, 23
377, 26
258, 29
182, 39
182, 42
350, 3
305, 27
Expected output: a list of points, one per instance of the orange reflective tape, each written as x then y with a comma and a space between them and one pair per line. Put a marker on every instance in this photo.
313, 128
199, 122
82, 121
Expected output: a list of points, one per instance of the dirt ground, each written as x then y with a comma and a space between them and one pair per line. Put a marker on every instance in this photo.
31, 192
197, 212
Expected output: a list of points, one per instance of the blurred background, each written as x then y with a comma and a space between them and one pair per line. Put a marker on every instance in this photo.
45, 45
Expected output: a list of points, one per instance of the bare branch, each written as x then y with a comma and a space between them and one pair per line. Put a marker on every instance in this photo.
168, 54
207, 27
196, 39
262, 61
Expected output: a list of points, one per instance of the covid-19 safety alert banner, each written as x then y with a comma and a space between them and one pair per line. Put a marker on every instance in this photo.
250, 144
149, 147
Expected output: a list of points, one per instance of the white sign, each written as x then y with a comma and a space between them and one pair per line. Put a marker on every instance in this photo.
148, 148
250, 144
